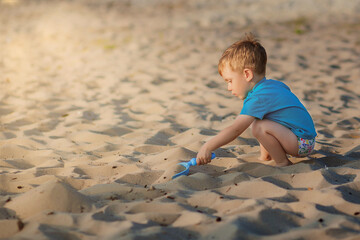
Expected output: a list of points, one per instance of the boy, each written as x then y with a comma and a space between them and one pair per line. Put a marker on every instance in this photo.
278, 120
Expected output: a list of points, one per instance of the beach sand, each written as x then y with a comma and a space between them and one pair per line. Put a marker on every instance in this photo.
99, 101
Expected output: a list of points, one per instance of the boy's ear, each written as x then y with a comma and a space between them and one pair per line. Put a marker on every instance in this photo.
249, 75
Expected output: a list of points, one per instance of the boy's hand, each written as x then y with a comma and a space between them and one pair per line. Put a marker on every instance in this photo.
227, 135
203, 156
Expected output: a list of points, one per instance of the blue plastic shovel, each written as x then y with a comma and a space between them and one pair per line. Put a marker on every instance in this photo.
187, 165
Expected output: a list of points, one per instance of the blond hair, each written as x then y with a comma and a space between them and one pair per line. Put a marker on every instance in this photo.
245, 53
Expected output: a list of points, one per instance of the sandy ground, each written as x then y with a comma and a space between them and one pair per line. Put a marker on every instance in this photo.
99, 101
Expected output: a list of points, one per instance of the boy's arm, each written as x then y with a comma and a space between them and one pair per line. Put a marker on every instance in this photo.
241, 123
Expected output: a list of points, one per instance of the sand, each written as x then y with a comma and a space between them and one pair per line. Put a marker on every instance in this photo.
99, 101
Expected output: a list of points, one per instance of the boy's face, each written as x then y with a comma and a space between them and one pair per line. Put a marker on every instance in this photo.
239, 83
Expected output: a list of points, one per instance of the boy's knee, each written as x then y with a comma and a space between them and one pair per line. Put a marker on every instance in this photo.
259, 127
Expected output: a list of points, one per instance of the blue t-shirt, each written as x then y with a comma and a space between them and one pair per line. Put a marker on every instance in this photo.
273, 100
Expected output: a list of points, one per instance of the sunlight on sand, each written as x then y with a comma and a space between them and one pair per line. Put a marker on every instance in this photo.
10, 2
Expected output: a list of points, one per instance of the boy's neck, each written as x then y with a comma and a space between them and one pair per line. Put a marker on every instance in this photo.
257, 78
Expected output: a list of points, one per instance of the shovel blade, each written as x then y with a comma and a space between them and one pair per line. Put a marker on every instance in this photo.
187, 165
185, 172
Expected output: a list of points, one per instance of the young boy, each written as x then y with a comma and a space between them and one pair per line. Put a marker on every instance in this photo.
278, 120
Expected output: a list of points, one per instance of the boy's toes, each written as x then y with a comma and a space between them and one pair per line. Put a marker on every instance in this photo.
270, 163
265, 158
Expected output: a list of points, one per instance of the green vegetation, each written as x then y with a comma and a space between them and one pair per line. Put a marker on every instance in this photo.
300, 25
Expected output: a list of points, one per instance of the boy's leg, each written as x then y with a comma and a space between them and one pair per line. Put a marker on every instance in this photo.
264, 154
276, 139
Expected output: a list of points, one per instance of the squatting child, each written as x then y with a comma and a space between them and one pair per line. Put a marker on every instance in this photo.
279, 121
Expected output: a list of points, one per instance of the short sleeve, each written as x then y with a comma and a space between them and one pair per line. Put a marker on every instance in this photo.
254, 106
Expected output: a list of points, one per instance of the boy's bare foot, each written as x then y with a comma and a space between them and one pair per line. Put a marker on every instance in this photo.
275, 164
283, 164
265, 157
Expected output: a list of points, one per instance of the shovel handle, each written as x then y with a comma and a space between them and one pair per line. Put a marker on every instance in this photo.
192, 162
